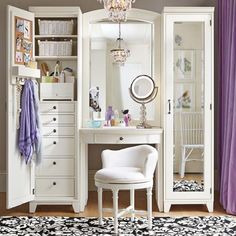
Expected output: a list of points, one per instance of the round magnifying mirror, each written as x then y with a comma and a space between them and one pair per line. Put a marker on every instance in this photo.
143, 90
142, 87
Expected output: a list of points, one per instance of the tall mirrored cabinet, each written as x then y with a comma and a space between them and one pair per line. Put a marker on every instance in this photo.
188, 106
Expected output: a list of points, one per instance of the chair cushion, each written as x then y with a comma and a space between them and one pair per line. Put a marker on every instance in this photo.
120, 175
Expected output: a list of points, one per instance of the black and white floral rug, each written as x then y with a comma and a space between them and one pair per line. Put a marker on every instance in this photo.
184, 185
183, 226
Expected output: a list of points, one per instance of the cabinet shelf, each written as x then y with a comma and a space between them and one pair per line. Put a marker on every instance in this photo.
52, 58
56, 36
25, 72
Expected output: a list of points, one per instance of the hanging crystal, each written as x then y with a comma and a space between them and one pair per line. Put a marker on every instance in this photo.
120, 53
117, 9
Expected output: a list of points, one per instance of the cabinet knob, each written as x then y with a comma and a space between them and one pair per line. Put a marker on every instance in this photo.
54, 107
54, 131
54, 119
54, 142
121, 138
54, 163
54, 183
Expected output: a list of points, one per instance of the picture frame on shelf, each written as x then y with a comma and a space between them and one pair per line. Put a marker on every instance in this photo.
184, 96
184, 65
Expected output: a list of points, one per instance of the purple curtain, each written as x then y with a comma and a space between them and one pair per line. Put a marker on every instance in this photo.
227, 103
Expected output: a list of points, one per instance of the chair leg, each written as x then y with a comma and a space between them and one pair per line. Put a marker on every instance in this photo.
115, 209
100, 205
132, 203
182, 164
149, 207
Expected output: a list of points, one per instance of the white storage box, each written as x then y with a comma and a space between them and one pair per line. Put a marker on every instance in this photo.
55, 48
55, 27
56, 91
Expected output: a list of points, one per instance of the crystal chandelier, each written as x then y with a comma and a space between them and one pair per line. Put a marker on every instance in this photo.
120, 53
117, 9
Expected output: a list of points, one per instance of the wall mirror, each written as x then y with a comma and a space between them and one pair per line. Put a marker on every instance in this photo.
188, 55
141, 36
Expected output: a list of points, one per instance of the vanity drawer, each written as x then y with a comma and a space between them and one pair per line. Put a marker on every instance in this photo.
55, 167
57, 107
54, 187
52, 131
58, 146
113, 138
57, 119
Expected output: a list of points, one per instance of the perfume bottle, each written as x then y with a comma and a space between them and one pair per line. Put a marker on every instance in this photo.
127, 117
108, 115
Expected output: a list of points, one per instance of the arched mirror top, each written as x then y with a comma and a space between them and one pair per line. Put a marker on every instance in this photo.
133, 14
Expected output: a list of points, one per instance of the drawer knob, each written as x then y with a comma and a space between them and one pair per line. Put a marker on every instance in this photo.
121, 138
54, 131
54, 183
54, 163
54, 142
54, 119
54, 107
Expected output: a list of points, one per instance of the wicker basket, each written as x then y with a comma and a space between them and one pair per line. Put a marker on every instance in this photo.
55, 48
55, 27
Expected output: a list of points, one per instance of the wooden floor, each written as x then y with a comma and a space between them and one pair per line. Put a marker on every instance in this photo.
91, 209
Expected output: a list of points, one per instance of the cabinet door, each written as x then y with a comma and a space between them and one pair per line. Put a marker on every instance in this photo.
188, 106
20, 177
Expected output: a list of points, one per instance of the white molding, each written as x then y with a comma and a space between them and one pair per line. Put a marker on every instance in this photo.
3, 176
188, 10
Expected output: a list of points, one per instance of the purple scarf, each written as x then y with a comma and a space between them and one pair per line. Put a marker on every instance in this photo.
28, 133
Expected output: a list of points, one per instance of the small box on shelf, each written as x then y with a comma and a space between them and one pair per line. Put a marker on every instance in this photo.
57, 91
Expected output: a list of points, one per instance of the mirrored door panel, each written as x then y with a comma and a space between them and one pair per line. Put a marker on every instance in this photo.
188, 106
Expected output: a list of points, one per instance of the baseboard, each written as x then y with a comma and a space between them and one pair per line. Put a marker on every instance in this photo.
2, 181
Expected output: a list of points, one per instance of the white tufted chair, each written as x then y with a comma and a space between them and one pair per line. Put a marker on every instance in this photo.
127, 169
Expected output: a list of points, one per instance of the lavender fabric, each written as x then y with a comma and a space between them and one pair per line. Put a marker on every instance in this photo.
28, 140
227, 104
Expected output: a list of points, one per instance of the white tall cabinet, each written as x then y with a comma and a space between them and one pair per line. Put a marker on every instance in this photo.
188, 92
55, 180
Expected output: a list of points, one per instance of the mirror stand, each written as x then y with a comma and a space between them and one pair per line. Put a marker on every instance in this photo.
143, 120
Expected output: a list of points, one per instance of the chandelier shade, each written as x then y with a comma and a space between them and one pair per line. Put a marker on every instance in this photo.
120, 52
117, 9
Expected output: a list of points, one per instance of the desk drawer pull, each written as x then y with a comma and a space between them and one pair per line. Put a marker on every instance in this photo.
54, 107
54, 119
54, 163
121, 138
54, 183
54, 131
54, 142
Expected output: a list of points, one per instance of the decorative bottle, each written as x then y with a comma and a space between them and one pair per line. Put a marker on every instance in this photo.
108, 116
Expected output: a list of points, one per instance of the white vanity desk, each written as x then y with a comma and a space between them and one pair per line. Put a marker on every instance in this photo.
117, 135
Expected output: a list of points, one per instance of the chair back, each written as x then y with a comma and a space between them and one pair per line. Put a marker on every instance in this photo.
129, 157
192, 128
